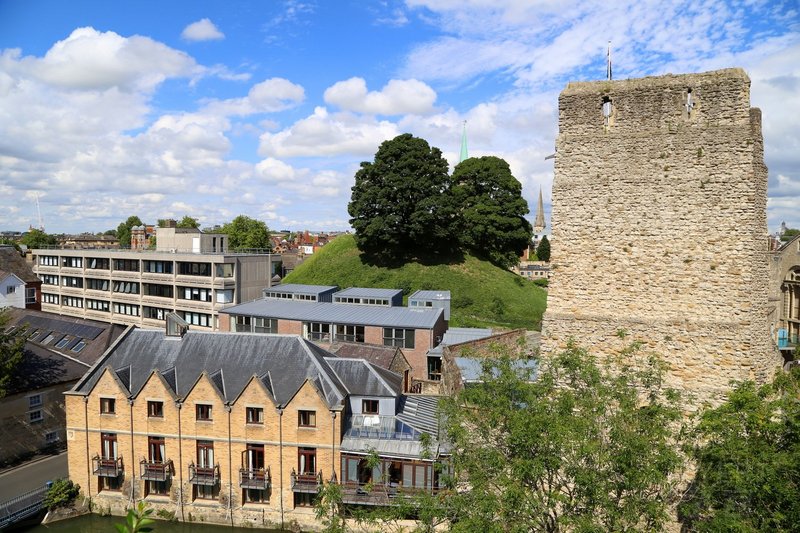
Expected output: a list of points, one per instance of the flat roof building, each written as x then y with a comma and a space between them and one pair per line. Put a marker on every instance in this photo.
190, 273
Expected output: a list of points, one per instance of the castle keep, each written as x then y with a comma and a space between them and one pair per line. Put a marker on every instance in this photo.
659, 227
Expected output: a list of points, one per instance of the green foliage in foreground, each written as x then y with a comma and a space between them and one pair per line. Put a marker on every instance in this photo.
580, 448
137, 520
748, 461
12, 350
476, 286
61, 494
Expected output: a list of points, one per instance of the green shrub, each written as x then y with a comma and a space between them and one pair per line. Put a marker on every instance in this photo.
61, 494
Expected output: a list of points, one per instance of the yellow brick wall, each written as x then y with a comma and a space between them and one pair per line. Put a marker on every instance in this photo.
325, 437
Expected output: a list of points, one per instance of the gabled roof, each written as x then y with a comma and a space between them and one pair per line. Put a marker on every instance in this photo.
335, 313
230, 359
364, 379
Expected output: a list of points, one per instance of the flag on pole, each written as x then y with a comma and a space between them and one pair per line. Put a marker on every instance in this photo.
608, 62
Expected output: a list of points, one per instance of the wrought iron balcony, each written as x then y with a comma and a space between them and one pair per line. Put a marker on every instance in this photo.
203, 475
156, 470
306, 482
255, 478
107, 466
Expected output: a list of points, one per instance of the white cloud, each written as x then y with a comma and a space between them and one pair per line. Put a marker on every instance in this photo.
398, 97
269, 96
323, 134
202, 30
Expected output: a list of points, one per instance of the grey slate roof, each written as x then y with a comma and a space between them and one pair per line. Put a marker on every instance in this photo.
12, 262
378, 355
368, 292
430, 295
364, 379
333, 313
230, 359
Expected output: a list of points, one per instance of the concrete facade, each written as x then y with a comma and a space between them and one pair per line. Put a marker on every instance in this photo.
659, 225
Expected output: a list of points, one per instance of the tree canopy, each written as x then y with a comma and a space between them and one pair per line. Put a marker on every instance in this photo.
124, 230
789, 234
543, 250
492, 212
35, 238
12, 349
747, 452
246, 232
400, 203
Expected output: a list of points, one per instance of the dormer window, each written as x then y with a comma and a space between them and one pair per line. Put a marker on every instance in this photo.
369, 407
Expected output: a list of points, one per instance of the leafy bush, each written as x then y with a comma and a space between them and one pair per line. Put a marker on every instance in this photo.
61, 494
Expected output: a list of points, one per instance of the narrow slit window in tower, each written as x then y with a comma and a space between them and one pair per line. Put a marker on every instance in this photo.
607, 110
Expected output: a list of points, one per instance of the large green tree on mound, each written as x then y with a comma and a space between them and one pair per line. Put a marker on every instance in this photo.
401, 204
492, 210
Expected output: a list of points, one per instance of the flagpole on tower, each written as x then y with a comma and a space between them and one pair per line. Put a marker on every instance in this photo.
608, 62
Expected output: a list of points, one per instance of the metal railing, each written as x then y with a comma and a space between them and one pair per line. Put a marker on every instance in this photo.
107, 466
155, 470
203, 475
255, 478
306, 482
23, 506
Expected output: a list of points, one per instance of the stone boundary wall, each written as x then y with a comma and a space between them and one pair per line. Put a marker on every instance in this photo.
659, 226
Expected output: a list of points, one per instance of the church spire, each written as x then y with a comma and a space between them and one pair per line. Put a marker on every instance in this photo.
463, 155
538, 224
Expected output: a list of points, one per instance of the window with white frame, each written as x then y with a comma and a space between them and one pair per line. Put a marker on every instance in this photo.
97, 305
30, 295
72, 281
71, 301
35, 400
50, 298
48, 260
194, 293
126, 287
72, 262
48, 279
35, 416
126, 309
196, 319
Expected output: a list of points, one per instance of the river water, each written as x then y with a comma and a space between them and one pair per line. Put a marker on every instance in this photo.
105, 524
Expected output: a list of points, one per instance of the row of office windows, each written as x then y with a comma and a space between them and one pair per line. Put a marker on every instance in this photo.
222, 270
325, 332
148, 289
290, 296
362, 301
255, 324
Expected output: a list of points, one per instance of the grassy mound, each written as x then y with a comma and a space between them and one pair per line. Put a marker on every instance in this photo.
483, 295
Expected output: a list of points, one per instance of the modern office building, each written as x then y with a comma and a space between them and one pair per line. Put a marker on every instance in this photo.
190, 272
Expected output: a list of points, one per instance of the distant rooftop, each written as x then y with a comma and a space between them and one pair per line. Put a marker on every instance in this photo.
430, 295
299, 288
334, 313
367, 292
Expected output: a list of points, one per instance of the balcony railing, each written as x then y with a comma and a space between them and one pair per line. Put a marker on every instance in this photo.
156, 470
203, 475
306, 482
255, 478
379, 427
378, 493
107, 466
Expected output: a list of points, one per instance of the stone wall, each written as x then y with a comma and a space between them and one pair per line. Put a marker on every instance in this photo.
659, 225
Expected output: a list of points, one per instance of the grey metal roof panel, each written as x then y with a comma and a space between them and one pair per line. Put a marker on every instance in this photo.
299, 288
368, 292
459, 335
430, 295
384, 447
363, 379
471, 368
333, 313
421, 413
231, 359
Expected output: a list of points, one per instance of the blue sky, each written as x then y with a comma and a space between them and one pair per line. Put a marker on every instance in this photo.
215, 109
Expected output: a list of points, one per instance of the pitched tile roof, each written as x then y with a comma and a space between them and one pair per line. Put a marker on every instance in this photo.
11, 261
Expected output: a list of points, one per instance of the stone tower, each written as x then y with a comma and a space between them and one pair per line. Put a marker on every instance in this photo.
659, 226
